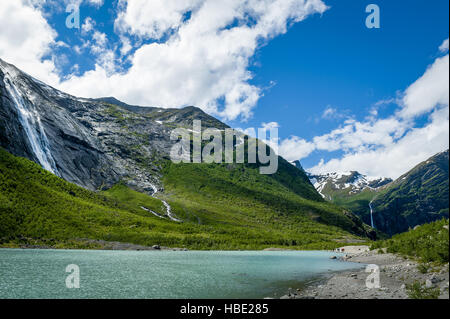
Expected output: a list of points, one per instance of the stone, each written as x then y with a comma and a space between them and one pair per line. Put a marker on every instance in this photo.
434, 279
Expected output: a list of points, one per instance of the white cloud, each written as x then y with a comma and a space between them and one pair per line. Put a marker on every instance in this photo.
271, 125
394, 159
329, 112
88, 25
391, 146
428, 91
152, 19
26, 39
294, 148
126, 45
444, 46
355, 134
291, 148
205, 59
97, 3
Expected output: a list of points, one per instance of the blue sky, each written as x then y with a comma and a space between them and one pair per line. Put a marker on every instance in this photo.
335, 61
324, 72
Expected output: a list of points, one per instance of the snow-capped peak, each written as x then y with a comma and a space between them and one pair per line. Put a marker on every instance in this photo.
352, 182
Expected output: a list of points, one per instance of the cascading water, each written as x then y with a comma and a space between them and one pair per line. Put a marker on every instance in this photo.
166, 205
371, 215
30, 120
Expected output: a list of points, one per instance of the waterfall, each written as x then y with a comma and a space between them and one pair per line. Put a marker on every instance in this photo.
371, 215
31, 122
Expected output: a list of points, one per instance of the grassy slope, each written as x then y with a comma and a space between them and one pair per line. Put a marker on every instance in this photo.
357, 203
242, 196
428, 243
224, 209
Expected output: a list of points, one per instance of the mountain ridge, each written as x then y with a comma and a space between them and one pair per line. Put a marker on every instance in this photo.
353, 182
100, 146
380, 201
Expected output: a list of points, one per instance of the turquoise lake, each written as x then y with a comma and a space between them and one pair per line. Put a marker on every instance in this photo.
161, 274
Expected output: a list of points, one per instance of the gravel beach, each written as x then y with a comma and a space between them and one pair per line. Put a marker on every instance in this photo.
395, 273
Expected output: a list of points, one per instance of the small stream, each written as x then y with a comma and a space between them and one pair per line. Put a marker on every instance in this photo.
166, 205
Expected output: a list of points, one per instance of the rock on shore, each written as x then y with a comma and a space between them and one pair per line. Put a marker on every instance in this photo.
395, 273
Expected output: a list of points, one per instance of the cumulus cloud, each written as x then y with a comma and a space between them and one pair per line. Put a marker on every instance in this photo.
391, 146
204, 60
444, 46
428, 91
198, 52
152, 19
97, 3
186, 52
88, 25
294, 148
27, 39
395, 159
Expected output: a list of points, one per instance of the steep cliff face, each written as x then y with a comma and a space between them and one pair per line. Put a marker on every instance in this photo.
420, 196
93, 143
51, 128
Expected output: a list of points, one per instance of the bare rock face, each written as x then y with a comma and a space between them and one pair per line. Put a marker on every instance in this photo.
93, 143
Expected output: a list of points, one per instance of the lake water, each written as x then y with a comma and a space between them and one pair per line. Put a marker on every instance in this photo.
161, 274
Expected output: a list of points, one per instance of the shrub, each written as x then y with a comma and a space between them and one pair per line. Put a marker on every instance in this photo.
417, 291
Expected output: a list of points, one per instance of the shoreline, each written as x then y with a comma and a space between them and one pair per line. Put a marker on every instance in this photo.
95, 244
395, 274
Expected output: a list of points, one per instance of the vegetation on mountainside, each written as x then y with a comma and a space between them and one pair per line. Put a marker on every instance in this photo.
427, 243
223, 208
356, 203
418, 197
240, 192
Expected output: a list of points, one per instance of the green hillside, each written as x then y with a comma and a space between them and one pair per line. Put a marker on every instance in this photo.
223, 207
415, 198
428, 243
357, 203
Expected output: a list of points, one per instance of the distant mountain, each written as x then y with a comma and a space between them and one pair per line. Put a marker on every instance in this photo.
351, 190
105, 145
352, 183
415, 198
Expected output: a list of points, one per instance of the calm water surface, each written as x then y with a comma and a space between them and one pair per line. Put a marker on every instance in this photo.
161, 274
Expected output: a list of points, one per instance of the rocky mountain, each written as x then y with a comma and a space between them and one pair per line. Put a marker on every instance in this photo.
351, 190
93, 143
121, 151
420, 196
351, 183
